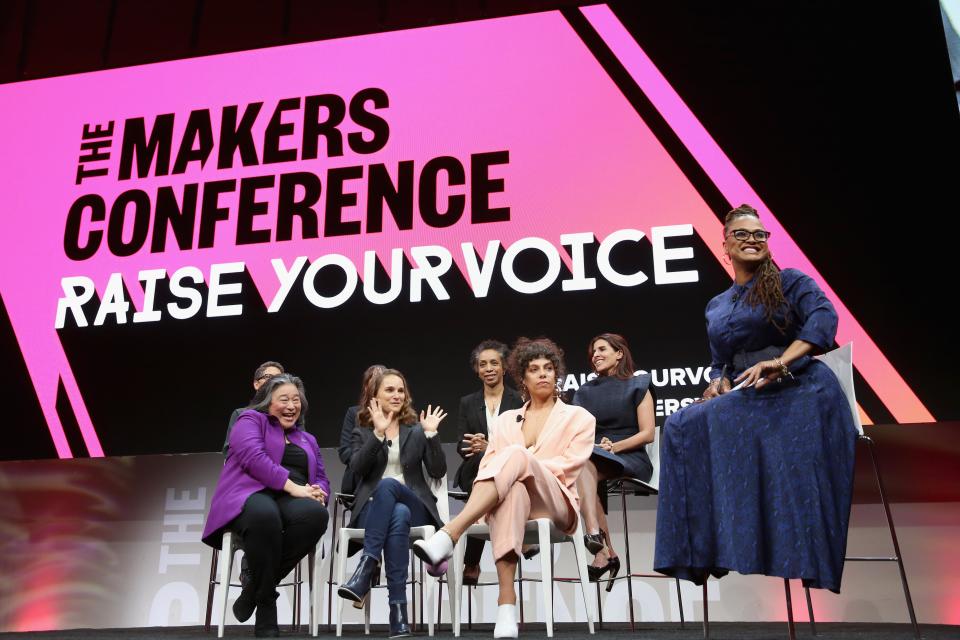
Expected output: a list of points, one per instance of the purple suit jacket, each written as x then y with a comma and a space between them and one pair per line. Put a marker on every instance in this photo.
256, 448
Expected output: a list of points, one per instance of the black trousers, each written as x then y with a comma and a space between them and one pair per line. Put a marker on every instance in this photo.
466, 475
276, 532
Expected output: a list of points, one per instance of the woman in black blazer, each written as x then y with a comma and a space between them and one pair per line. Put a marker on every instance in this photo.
476, 411
390, 452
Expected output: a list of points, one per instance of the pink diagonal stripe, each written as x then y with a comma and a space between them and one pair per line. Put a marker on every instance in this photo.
892, 389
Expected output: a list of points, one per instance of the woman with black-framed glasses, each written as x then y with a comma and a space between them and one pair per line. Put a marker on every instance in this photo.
758, 476
272, 493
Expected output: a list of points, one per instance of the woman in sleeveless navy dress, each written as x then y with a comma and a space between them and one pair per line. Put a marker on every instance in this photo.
623, 405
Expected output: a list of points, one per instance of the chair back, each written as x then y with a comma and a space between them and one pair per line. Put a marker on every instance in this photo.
438, 486
653, 452
840, 361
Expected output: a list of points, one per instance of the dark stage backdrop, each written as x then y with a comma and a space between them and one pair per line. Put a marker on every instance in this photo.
397, 197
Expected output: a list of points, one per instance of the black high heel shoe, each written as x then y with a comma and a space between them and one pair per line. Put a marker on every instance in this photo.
613, 566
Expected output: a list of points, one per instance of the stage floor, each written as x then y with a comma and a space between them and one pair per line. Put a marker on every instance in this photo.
662, 631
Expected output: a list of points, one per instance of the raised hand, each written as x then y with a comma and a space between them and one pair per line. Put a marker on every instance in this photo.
431, 418
380, 419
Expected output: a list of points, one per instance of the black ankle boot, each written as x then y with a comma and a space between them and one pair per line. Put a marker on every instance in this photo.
358, 586
398, 620
245, 603
266, 625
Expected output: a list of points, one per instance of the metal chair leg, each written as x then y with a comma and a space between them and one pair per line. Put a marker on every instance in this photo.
440, 603
210, 589
680, 604
599, 608
333, 556
791, 631
626, 545
313, 583
413, 593
470, 607
552, 588
706, 612
297, 581
893, 536
520, 586
813, 621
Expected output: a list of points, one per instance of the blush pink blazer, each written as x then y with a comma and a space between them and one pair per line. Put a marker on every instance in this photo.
564, 445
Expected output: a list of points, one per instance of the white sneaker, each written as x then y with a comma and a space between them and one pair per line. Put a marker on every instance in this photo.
435, 550
506, 626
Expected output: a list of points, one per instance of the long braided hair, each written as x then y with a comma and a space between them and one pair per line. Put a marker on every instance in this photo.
767, 288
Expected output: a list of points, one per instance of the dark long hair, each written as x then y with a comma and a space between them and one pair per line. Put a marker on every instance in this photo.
625, 367
407, 414
264, 396
767, 287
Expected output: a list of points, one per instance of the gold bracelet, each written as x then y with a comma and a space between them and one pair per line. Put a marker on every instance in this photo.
784, 371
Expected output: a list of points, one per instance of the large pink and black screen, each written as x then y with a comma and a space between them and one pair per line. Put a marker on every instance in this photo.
389, 198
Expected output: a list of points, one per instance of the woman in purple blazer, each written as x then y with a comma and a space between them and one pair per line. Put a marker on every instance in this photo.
272, 493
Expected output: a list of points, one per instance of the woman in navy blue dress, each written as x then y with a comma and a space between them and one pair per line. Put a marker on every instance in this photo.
623, 405
759, 479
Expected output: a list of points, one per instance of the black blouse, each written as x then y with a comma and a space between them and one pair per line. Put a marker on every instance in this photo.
295, 461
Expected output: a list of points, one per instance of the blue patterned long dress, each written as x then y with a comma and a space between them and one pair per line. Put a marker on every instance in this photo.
760, 481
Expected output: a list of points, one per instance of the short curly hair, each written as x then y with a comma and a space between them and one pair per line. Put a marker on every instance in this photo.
494, 345
525, 350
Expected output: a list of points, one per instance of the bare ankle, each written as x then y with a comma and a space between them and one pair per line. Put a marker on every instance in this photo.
447, 531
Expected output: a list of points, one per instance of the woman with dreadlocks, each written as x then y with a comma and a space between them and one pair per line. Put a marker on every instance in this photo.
758, 477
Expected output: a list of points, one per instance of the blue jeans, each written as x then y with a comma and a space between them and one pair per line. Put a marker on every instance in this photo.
387, 519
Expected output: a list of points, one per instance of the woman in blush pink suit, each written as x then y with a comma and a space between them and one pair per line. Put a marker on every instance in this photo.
529, 471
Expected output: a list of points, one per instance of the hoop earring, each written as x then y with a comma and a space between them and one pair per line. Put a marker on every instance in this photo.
726, 259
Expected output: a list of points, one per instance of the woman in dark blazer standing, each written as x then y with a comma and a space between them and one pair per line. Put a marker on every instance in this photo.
477, 411
390, 452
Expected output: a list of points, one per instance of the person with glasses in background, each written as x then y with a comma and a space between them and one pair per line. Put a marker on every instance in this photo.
263, 373
757, 477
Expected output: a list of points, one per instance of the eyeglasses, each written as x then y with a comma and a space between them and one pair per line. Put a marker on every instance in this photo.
266, 376
743, 235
